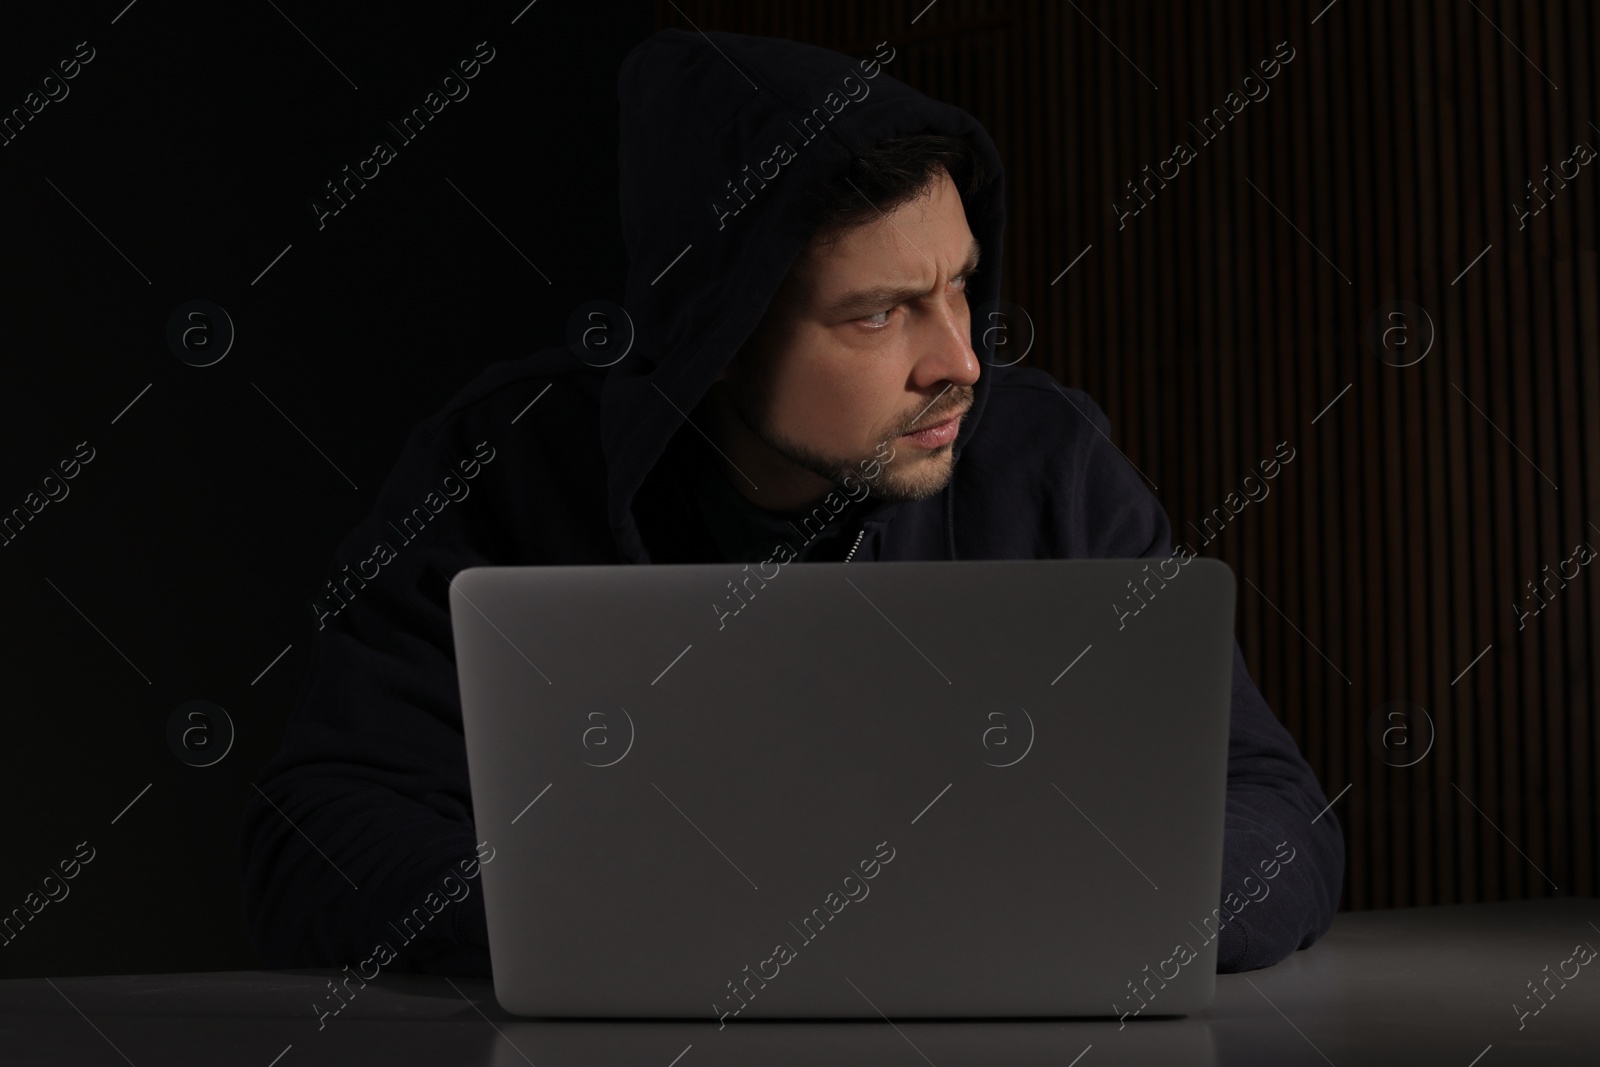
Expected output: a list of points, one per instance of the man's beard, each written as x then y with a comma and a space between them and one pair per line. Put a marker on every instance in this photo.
929, 474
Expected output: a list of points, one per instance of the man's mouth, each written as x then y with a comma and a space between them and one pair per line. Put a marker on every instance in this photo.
939, 432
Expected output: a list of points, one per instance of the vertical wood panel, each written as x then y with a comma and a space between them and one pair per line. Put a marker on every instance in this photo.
1212, 327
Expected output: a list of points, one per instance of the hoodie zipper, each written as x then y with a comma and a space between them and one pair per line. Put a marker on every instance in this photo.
859, 535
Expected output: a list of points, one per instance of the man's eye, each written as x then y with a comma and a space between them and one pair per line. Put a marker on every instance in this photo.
869, 318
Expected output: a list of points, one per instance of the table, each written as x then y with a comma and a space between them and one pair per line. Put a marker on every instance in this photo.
1417, 986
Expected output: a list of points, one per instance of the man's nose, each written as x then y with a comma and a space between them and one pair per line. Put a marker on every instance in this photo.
947, 355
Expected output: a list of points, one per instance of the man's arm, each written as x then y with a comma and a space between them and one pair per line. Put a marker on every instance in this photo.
360, 831
1273, 801
1282, 849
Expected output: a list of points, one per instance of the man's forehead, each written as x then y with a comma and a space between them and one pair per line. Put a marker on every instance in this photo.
908, 243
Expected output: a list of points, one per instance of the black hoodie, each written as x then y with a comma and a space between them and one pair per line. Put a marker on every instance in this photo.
552, 460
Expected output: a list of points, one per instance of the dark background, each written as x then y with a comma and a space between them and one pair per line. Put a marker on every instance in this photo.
1226, 317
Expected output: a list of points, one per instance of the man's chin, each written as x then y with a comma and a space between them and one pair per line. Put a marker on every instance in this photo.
927, 477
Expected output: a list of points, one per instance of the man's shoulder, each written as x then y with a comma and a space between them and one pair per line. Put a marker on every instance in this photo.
1029, 410
1044, 462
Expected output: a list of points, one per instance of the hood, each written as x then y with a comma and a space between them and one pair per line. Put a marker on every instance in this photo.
711, 230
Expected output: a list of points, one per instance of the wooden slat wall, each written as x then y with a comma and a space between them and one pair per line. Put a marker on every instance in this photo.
1390, 552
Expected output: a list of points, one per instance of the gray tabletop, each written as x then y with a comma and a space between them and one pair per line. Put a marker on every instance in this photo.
1410, 986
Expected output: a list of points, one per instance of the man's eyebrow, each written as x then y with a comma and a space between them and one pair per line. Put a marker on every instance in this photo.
880, 297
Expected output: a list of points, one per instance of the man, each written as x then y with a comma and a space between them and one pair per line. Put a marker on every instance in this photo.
804, 382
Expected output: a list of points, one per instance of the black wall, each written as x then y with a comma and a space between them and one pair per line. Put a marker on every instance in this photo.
181, 559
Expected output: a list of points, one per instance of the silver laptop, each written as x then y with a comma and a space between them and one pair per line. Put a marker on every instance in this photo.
904, 789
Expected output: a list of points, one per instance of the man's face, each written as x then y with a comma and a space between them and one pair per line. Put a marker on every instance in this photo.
865, 341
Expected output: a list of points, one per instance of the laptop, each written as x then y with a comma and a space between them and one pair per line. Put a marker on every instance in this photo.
907, 789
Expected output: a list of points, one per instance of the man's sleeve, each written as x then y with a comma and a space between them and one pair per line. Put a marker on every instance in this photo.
1275, 807
359, 832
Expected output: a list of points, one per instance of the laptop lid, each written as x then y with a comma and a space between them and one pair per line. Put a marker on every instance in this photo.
906, 789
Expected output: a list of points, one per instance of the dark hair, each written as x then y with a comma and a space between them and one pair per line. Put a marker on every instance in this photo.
893, 173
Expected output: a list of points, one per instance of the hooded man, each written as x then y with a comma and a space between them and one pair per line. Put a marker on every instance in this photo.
808, 368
